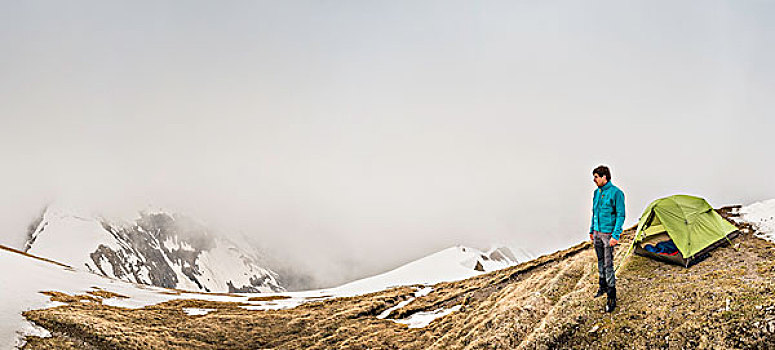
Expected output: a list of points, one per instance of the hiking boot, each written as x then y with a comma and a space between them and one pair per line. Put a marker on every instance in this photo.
611, 302
603, 287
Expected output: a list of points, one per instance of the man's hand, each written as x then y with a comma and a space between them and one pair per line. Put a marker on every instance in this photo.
591, 238
613, 242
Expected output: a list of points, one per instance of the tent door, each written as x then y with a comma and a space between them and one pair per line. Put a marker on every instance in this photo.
653, 239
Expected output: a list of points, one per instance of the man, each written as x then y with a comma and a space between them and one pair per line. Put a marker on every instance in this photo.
607, 221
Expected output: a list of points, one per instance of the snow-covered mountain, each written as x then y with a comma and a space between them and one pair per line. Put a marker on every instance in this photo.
157, 248
451, 264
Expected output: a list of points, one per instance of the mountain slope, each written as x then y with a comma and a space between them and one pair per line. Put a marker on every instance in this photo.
726, 301
159, 249
451, 264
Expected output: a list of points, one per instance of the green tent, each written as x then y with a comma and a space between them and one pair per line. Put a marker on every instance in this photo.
690, 222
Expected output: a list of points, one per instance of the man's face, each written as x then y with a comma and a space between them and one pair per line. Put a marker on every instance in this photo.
599, 181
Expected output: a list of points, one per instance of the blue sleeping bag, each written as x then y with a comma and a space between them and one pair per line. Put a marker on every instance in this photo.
666, 248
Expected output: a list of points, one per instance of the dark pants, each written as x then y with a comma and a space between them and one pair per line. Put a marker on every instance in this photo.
605, 257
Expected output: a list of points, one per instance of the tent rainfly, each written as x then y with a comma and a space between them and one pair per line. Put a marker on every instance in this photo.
690, 222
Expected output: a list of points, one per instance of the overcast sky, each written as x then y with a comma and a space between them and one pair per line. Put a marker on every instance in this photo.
358, 135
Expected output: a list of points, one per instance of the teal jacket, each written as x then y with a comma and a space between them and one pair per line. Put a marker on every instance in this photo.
608, 210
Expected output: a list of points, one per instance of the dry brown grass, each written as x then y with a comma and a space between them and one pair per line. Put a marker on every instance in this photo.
66, 298
92, 296
319, 297
58, 342
542, 304
196, 303
170, 292
714, 304
33, 256
269, 298
104, 294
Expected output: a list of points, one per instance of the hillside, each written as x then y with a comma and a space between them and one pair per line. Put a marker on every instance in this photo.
725, 301
451, 264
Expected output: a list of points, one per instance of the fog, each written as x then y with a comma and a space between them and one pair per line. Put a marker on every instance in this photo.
349, 137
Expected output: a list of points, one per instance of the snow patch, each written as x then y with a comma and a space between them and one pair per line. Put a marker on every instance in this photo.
29, 329
54, 304
420, 319
417, 294
196, 311
423, 319
387, 312
762, 216
175, 244
423, 292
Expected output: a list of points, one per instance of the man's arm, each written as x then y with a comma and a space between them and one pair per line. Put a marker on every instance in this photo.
592, 223
619, 199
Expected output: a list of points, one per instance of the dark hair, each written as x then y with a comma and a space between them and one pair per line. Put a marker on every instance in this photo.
602, 171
